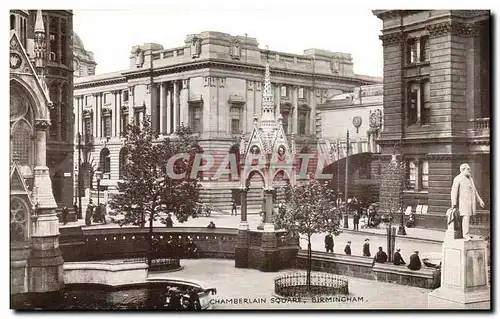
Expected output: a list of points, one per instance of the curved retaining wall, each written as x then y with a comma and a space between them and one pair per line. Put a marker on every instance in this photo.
80, 244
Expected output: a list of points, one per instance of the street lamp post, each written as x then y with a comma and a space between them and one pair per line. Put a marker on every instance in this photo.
79, 216
346, 217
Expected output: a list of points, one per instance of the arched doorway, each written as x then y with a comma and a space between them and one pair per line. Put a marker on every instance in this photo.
255, 193
105, 161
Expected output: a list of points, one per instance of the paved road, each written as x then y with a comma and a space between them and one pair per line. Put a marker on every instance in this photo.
233, 283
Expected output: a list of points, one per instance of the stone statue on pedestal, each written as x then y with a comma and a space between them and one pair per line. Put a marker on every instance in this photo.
463, 198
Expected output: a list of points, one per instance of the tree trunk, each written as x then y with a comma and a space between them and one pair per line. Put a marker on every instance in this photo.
309, 263
150, 252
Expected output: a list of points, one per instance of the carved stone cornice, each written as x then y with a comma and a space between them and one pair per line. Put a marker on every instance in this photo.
395, 38
185, 84
453, 28
42, 124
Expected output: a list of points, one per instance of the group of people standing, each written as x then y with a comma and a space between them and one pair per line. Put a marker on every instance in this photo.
380, 256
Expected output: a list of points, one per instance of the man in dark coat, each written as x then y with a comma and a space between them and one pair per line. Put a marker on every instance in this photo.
169, 222
329, 243
415, 263
234, 209
356, 220
380, 257
366, 248
64, 214
347, 249
398, 260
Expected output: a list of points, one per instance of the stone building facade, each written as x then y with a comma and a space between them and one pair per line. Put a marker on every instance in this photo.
213, 83
360, 113
83, 61
436, 101
40, 134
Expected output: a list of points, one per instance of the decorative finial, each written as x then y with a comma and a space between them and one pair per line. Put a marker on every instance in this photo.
39, 28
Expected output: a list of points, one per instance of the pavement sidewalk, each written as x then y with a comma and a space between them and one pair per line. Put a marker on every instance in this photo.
228, 221
422, 234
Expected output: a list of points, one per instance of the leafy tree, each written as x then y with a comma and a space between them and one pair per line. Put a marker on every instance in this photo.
148, 190
309, 210
392, 183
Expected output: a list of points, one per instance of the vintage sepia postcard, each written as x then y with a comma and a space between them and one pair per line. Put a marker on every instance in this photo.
211, 157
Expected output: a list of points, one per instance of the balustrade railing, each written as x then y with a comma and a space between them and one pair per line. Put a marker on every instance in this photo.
480, 125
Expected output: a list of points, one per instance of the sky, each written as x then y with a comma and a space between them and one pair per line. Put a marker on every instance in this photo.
286, 27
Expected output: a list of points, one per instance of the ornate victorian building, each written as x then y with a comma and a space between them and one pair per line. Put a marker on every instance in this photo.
40, 134
436, 101
83, 60
213, 83
360, 113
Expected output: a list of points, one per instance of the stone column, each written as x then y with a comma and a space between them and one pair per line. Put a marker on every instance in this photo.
45, 263
162, 106
184, 107
312, 114
295, 122
268, 200
243, 195
242, 243
176, 106
169, 111
96, 116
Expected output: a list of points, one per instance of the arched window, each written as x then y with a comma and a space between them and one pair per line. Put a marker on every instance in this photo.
63, 109
122, 161
105, 161
21, 142
21, 126
55, 98
19, 214
235, 150
12, 22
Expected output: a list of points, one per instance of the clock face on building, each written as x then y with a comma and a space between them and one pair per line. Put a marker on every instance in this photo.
15, 61
356, 121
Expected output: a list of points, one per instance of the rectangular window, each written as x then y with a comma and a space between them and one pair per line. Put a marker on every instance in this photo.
301, 93
137, 118
88, 129
413, 93
125, 96
235, 120
284, 91
426, 103
107, 98
195, 119
412, 51
302, 123
107, 125
235, 126
425, 53
425, 175
87, 100
124, 123
412, 174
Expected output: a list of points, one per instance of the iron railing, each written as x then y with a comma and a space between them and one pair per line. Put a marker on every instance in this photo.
322, 284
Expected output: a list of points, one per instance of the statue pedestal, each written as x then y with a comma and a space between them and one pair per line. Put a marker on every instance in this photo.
464, 276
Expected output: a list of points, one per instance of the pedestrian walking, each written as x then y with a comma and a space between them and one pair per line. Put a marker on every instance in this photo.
366, 248
329, 243
347, 248
356, 218
234, 209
